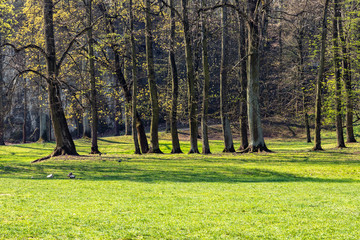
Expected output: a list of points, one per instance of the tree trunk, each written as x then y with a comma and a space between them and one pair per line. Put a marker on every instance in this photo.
154, 127
257, 143
337, 65
175, 84
320, 76
44, 127
244, 142
191, 81
25, 113
350, 137
2, 110
134, 76
86, 125
93, 93
302, 80
205, 104
224, 67
64, 142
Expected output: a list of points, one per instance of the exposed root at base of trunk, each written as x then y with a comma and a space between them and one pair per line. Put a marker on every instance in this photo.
137, 151
254, 149
206, 151
242, 147
158, 151
176, 151
226, 150
95, 151
317, 148
57, 152
193, 151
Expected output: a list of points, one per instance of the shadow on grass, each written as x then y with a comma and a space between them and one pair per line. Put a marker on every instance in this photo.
154, 173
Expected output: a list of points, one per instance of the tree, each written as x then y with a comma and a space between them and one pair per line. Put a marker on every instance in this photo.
224, 68
346, 76
337, 64
205, 104
257, 142
190, 80
175, 83
244, 142
154, 128
93, 91
319, 80
134, 76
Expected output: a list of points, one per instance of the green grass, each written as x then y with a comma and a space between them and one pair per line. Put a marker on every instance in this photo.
293, 193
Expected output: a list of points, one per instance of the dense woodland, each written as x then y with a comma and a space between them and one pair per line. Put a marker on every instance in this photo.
89, 68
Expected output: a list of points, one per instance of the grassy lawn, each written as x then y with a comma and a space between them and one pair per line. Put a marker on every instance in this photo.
292, 193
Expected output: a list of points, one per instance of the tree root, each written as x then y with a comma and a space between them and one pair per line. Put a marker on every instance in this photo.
176, 151
254, 149
158, 151
59, 151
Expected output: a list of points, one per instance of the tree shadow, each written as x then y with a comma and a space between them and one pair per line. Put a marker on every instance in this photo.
121, 171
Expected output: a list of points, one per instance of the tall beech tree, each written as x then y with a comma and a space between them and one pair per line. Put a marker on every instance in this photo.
224, 82
175, 83
93, 91
319, 80
244, 142
254, 23
2, 108
205, 103
154, 127
190, 79
337, 66
134, 77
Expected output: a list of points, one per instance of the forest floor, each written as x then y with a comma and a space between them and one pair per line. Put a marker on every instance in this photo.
293, 193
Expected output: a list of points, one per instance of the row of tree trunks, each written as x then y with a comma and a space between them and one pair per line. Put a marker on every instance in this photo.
175, 83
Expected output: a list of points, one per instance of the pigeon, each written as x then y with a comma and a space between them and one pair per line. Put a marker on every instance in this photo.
71, 175
50, 176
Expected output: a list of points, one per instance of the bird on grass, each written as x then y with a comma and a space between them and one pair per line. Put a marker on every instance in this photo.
71, 175
50, 176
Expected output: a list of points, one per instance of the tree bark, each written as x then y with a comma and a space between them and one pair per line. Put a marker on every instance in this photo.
337, 65
319, 80
2, 110
154, 127
302, 80
93, 92
25, 113
257, 143
224, 67
134, 76
205, 104
350, 137
191, 80
175, 84
64, 142
44, 127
